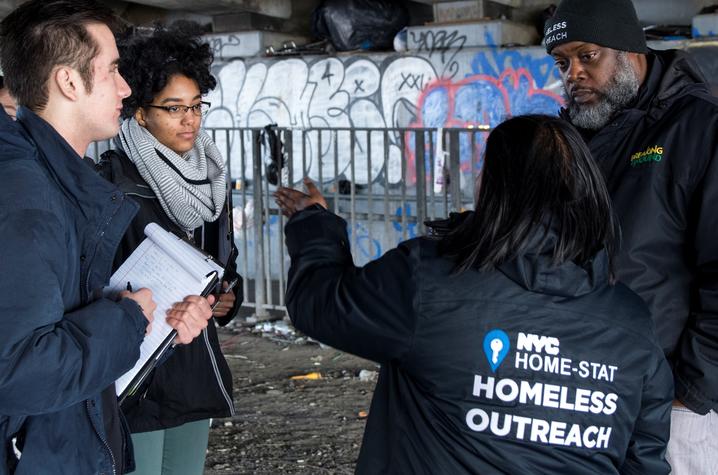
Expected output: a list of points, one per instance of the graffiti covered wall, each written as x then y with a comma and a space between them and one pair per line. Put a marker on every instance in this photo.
441, 85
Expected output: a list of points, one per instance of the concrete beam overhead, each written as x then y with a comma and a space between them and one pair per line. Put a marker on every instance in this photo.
273, 8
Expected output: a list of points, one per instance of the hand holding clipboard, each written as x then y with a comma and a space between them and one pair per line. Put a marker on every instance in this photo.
180, 277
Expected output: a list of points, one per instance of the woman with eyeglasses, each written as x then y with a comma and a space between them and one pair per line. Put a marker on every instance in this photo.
167, 164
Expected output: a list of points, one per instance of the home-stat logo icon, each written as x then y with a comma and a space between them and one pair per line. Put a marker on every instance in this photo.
496, 347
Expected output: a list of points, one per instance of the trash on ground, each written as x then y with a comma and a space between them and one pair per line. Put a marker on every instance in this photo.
309, 376
367, 376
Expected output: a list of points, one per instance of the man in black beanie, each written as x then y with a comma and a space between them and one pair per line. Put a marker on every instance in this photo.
652, 125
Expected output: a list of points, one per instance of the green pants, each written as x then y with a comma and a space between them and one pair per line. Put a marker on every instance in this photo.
177, 451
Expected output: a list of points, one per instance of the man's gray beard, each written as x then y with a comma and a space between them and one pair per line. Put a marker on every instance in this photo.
620, 91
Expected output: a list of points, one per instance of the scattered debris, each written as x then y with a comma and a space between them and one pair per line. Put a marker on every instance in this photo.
367, 376
308, 376
277, 327
311, 420
363, 414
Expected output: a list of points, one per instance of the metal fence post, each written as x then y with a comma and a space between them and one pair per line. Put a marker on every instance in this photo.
259, 271
420, 163
455, 169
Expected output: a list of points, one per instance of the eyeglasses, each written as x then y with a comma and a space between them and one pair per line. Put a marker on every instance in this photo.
199, 109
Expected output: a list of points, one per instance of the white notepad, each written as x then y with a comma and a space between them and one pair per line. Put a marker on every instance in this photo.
172, 269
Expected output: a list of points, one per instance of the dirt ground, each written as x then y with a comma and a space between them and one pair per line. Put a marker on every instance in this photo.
284, 425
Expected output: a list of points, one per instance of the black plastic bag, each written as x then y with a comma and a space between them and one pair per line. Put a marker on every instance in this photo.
359, 24
273, 153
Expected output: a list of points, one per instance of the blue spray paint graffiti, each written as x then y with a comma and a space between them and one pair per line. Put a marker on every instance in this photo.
496, 60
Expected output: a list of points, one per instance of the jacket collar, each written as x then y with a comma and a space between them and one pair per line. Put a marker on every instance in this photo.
76, 179
125, 175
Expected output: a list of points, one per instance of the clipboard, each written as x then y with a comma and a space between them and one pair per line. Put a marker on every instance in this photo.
161, 350
172, 269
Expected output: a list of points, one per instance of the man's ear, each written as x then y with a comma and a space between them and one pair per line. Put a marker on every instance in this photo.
140, 116
68, 82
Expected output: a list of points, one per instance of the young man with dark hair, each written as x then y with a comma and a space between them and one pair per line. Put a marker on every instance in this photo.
61, 344
652, 125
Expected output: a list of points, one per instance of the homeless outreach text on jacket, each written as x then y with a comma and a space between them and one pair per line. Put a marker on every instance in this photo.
574, 383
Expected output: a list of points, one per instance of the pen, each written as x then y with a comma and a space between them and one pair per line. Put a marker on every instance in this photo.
129, 286
230, 286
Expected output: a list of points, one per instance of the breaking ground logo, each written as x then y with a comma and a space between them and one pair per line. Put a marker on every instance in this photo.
540, 356
651, 154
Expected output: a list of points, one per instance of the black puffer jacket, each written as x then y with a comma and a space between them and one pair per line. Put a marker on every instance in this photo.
194, 382
528, 369
661, 162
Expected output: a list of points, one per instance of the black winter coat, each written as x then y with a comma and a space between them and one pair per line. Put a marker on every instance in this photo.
660, 159
528, 369
195, 382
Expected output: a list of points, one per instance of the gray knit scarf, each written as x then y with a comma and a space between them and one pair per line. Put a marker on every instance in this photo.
190, 187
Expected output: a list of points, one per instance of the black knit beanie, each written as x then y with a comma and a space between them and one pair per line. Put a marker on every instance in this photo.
609, 23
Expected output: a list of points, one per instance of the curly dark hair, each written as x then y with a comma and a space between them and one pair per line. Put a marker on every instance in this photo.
148, 61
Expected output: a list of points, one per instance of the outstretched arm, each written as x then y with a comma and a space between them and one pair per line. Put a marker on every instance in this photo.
368, 311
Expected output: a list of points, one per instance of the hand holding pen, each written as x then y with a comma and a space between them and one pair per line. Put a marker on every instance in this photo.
143, 298
225, 300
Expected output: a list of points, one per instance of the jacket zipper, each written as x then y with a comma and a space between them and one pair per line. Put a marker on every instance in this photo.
217, 376
101, 234
104, 441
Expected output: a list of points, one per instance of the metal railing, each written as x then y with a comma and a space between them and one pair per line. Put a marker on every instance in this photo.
384, 182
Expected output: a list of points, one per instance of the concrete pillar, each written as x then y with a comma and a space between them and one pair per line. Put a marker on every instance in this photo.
669, 12
273, 8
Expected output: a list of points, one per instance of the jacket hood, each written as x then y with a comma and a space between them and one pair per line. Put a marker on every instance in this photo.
534, 269
672, 75
679, 76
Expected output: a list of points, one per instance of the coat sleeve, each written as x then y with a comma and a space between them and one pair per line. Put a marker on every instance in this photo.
367, 311
695, 364
52, 357
647, 447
